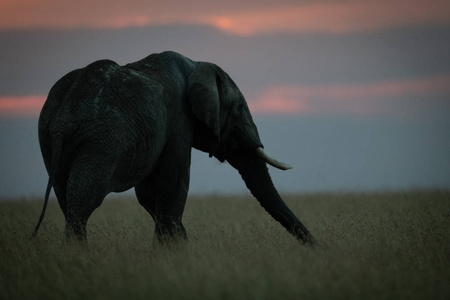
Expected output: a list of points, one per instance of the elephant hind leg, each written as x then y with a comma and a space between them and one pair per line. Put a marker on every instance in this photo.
76, 225
61, 192
86, 189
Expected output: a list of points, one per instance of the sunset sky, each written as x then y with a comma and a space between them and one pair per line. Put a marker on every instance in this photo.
311, 67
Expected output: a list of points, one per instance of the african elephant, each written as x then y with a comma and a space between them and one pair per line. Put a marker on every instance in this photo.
107, 128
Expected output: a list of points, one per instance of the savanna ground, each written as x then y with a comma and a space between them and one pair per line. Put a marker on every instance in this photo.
372, 246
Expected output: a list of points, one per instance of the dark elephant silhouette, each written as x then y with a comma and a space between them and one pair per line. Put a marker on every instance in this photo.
107, 128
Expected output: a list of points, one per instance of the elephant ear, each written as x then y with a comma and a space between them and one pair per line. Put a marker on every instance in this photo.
203, 94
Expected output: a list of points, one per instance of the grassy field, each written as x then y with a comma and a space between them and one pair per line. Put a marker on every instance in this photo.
372, 246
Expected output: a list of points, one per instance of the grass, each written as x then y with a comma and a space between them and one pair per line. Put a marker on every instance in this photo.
372, 246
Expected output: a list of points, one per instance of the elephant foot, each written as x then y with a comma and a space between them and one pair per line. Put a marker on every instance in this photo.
76, 231
170, 237
311, 242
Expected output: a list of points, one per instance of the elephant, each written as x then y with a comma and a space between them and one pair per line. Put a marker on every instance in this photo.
108, 128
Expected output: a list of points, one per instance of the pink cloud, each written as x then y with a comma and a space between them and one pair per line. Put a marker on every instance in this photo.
21, 106
379, 98
363, 99
338, 17
276, 102
335, 17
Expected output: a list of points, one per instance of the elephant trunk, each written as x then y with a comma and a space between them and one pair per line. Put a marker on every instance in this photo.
257, 179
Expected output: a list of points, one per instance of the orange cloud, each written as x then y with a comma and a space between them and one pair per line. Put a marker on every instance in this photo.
359, 100
363, 99
335, 17
277, 101
21, 106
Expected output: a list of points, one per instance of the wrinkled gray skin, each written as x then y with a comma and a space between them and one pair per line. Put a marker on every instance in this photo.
107, 128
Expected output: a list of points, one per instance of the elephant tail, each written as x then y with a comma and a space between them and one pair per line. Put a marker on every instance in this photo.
52, 169
47, 194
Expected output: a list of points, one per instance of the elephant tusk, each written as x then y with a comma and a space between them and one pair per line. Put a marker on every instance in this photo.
272, 161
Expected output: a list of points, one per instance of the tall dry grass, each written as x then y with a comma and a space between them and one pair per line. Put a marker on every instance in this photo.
372, 246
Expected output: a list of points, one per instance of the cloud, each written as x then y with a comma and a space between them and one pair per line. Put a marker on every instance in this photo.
335, 17
28, 106
393, 98
338, 17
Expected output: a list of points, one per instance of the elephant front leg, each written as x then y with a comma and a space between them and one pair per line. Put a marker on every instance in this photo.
163, 194
172, 189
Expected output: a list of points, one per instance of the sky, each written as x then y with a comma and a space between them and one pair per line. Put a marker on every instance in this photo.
355, 94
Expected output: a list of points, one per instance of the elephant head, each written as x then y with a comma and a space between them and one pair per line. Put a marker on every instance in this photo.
226, 131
